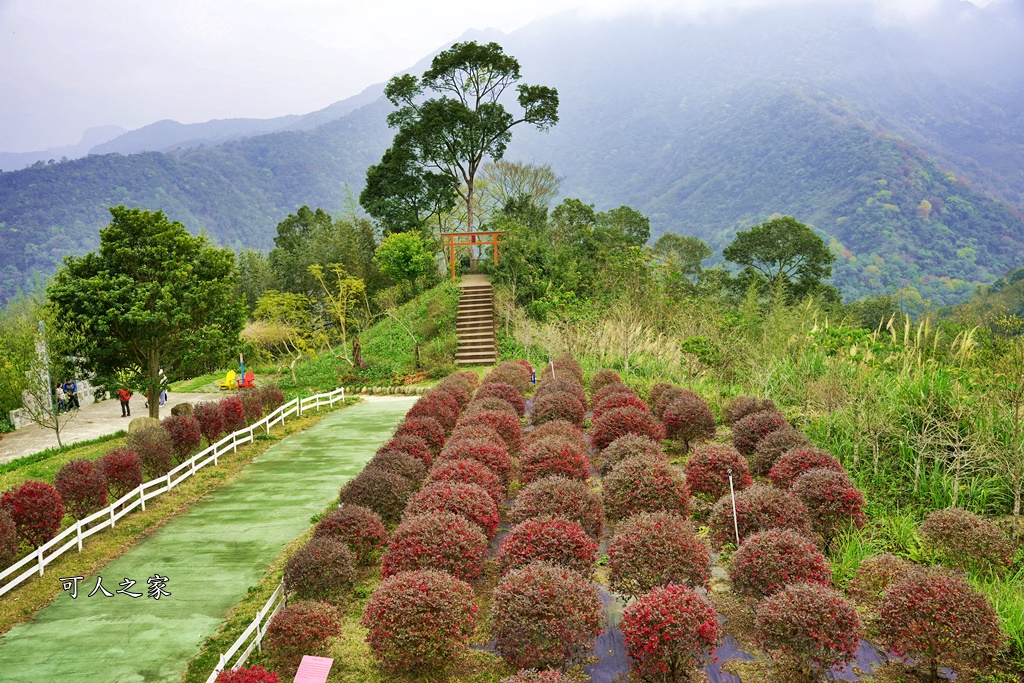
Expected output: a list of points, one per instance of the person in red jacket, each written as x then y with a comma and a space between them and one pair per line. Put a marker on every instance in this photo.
124, 395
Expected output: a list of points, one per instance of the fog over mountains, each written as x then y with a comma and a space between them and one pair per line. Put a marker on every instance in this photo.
901, 141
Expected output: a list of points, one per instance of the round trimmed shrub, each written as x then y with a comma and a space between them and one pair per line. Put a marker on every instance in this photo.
936, 617
963, 540
419, 620
799, 460
810, 623
456, 389
669, 632
490, 404
466, 380
479, 431
211, 420
185, 434
603, 378
758, 508
443, 541
252, 404
655, 392
301, 628
233, 412
545, 616
271, 396
507, 426
253, 674
552, 456
560, 428
644, 484
689, 419
401, 463
467, 471
619, 400
8, 539
749, 431
534, 676
439, 406
622, 421
656, 549
612, 389
774, 446
511, 374
36, 509
378, 490
361, 529
560, 497
626, 447
413, 445
122, 469
320, 570
505, 392
551, 539
565, 367
468, 500
82, 487
832, 500
554, 386
670, 396
156, 452
426, 428
492, 454
737, 408
557, 405
770, 560
707, 470
874, 575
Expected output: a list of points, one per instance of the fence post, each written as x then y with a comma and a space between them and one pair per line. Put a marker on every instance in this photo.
111, 516
78, 531
142, 497
40, 553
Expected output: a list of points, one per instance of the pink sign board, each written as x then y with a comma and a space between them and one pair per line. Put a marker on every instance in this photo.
313, 669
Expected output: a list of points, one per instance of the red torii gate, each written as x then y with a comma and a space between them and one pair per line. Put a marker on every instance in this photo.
457, 239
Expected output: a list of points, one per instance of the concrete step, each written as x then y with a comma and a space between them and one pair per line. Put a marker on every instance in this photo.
476, 305
483, 334
485, 317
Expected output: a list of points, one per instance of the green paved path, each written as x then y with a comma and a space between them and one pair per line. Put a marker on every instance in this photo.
211, 554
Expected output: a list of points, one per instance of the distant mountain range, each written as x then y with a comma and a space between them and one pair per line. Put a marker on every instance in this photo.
902, 142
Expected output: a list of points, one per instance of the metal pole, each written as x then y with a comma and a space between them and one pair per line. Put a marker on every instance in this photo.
735, 520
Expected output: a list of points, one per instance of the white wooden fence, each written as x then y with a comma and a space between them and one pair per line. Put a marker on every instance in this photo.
84, 528
253, 635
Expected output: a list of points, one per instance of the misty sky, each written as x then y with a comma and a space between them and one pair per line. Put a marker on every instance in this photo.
66, 65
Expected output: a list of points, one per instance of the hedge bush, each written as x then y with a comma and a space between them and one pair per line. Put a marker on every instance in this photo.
707, 470
626, 447
621, 421
122, 469
457, 390
770, 560
490, 404
545, 616
82, 487
439, 406
360, 528
565, 367
505, 392
301, 628
874, 575
468, 500
252, 404
426, 428
320, 570
509, 374
608, 390
156, 452
748, 432
654, 549
740, 407
552, 456
655, 392
772, 447
832, 500
670, 396
233, 413
935, 617
689, 419
560, 428
211, 420
758, 508
799, 460
534, 676
554, 386
643, 484
8, 539
467, 471
413, 445
419, 621
492, 454
443, 541
465, 379
619, 400
669, 632
401, 463
557, 405
551, 539
186, 435
603, 378
36, 509
478, 431
254, 674
560, 497
507, 426
963, 540
810, 623
378, 490
271, 396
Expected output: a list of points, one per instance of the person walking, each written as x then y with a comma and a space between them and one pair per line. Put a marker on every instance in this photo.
163, 388
71, 391
61, 399
124, 395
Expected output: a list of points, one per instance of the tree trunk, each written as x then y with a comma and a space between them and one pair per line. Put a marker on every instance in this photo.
469, 222
153, 390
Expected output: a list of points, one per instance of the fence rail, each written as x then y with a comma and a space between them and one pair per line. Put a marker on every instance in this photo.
35, 562
254, 633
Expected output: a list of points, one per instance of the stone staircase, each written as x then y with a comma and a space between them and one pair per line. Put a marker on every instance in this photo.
474, 324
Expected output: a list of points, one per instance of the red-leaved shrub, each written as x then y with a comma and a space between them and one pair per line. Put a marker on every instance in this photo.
506, 392
832, 500
563, 367
655, 549
644, 484
211, 420
655, 392
669, 632
748, 432
490, 404
552, 456
465, 380
621, 421
670, 396
493, 454
612, 389
320, 570
468, 500
688, 419
626, 447
402, 464
560, 497
770, 560
413, 445
82, 487
467, 471
457, 390
963, 540
478, 431
156, 452
937, 618
252, 404
799, 460
874, 575
271, 396
361, 529
534, 676
551, 539
809, 623
507, 426
758, 508
185, 434
36, 509
420, 620
603, 378
233, 412
122, 468
545, 616
555, 386
707, 470
737, 408
557, 405
8, 539
301, 628
443, 541
559, 428
254, 674
618, 400
772, 447
439, 406
512, 374
426, 428
384, 492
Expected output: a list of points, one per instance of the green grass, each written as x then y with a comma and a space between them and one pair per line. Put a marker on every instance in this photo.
44, 465
75, 448
201, 384
1006, 594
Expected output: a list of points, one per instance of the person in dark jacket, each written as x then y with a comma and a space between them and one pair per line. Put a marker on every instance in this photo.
124, 395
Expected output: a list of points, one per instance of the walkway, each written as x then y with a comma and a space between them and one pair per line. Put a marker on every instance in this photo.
212, 554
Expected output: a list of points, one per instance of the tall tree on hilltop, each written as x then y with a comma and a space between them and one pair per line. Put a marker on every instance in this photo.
153, 296
454, 134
